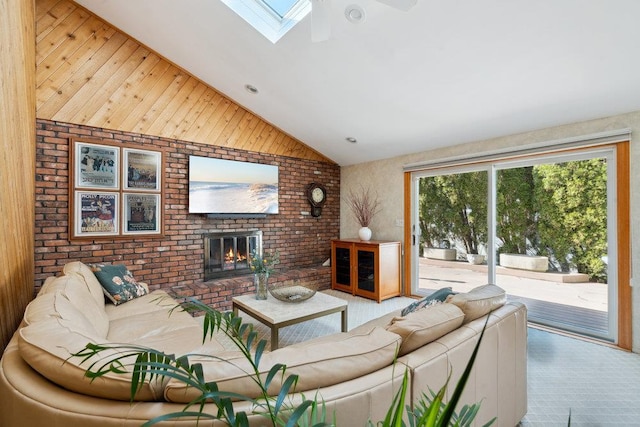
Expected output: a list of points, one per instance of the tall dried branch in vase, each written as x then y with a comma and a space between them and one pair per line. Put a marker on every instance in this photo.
364, 204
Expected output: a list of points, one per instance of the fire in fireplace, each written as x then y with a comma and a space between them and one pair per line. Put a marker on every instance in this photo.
227, 253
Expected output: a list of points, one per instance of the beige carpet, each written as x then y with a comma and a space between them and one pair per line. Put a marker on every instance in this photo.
598, 384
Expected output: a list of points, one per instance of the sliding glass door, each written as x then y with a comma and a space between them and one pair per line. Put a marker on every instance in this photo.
543, 228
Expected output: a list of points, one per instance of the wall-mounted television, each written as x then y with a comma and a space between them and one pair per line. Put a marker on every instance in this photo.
230, 187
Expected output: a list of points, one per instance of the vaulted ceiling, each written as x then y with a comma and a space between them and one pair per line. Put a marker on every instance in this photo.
442, 73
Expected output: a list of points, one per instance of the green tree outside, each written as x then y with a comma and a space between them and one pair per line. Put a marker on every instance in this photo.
556, 210
571, 199
515, 216
454, 207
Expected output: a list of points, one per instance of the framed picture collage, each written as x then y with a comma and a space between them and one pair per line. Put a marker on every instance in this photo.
115, 190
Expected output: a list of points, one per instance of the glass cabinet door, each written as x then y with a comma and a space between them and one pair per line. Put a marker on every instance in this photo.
343, 266
366, 270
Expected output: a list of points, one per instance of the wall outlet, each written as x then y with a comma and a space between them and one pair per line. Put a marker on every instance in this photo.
399, 222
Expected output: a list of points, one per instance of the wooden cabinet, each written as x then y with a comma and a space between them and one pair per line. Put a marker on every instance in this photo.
370, 269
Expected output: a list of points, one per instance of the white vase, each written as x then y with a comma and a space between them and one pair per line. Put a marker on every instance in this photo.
364, 233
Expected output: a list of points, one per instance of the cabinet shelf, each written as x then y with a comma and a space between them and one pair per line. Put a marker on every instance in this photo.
370, 269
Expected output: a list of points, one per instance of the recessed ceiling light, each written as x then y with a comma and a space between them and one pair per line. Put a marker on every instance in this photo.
354, 13
251, 89
351, 139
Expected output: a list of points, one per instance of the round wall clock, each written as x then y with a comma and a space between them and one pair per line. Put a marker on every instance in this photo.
317, 196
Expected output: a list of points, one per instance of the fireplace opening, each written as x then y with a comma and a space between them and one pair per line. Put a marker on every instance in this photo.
226, 254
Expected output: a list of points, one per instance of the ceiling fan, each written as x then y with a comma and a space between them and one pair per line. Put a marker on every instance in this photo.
321, 22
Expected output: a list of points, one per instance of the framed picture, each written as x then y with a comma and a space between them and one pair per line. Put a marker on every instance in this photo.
95, 165
95, 214
141, 213
141, 171
115, 191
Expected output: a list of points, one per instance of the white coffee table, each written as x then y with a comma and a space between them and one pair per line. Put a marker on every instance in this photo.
278, 314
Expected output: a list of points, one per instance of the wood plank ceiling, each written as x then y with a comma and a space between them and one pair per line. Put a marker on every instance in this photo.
92, 74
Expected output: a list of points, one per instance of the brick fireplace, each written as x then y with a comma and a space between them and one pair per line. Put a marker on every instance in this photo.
226, 254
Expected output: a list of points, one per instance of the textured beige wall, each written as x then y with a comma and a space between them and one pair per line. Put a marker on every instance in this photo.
386, 177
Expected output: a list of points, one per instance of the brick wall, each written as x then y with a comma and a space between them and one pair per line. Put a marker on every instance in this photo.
175, 261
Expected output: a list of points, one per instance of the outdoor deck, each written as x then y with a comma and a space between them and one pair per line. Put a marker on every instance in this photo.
550, 300
590, 322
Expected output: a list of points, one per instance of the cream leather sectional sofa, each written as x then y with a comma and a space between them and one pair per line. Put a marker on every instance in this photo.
354, 371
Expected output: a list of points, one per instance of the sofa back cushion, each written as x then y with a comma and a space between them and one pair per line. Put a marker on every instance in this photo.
420, 327
318, 363
479, 301
89, 279
75, 290
55, 305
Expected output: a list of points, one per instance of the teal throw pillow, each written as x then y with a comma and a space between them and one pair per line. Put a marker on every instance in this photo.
437, 297
117, 282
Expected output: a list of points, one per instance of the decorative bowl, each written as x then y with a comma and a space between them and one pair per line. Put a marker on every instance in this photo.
292, 290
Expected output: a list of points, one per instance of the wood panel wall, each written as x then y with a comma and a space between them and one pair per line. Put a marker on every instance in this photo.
90, 73
17, 164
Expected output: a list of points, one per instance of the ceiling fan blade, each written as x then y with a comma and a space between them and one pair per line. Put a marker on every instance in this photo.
320, 20
400, 4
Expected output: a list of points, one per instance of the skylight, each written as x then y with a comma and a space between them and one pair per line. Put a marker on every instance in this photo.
272, 18
281, 7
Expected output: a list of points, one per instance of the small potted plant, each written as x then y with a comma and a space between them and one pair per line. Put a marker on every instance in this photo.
364, 205
262, 266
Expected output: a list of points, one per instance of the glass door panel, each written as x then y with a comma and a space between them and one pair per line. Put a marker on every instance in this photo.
552, 242
453, 231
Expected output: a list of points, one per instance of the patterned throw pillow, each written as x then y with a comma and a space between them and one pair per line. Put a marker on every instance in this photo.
117, 282
435, 298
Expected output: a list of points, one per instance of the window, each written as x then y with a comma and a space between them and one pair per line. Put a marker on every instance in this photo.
272, 18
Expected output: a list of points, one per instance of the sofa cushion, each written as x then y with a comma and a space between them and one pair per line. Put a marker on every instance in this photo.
381, 322
438, 296
47, 348
88, 279
161, 330
479, 301
425, 325
156, 321
319, 363
55, 305
46, 286
157, 300
118, 283
73, 287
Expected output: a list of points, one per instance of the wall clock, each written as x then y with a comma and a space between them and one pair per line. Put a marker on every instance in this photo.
316, 195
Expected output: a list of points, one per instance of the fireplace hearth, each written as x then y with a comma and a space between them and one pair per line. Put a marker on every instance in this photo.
226, 254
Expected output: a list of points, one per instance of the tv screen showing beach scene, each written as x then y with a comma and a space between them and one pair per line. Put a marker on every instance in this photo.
218, 186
